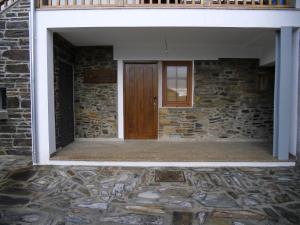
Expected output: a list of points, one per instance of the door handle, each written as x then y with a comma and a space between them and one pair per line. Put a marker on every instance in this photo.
154, 100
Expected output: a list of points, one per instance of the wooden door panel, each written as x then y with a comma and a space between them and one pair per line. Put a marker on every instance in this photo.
140, 95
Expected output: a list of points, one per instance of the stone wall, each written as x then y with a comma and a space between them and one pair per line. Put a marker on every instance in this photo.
95, 104
63, 52
228, 103
15, 132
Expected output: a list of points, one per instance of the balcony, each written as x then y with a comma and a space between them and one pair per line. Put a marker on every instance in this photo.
224, 4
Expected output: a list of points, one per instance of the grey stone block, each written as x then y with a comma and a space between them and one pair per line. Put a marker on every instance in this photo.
18, 68
16, 54
3, 115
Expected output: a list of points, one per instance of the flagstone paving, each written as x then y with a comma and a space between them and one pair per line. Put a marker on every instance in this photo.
56, 195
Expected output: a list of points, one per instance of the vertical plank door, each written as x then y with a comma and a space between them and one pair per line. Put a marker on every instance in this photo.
140, 101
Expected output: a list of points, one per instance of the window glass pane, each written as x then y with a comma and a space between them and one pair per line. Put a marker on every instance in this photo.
171, 83
181, 83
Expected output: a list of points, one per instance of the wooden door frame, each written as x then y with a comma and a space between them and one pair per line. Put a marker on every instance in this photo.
124, 90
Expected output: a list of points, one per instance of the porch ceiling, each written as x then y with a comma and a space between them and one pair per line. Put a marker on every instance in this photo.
194, 43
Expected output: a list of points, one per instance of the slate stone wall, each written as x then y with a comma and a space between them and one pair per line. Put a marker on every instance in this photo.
228, 103
95, 104
63, 52
15, 132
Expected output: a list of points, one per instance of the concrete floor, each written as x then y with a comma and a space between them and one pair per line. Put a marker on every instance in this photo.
162, 151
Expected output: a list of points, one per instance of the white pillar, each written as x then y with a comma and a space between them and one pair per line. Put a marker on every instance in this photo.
120, 100
284, 99
276, 94
297, 4
295, 72
44, 85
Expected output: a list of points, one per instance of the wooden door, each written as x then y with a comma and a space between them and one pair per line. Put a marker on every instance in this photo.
66, 104
140, 96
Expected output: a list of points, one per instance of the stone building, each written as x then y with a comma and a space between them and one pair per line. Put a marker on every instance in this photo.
103, 80
15, 119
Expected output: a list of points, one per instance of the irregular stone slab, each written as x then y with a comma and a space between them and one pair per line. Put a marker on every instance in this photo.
16, 191
237, 223
76, 219
118, 189
149, 195
290, 216
95, 205
122, 177
77, 180
219, 221
169, 176
16, 54
86, 175
294, 206
237, 214
134, 219
17, 25
17, 68
7, 200
84, 191
201, 216
283, 198
219, 200
182, 218
176, 203
249, 201
185, 204
177, 192
272, 214
146, 209
22, 174
31, 218
16, 33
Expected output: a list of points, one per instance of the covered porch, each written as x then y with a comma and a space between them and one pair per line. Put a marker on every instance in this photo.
230, 115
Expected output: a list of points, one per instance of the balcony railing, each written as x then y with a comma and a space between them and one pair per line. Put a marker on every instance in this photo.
5, 4
251, 4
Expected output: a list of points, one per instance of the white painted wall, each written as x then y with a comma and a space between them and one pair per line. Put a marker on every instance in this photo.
267, 57
167, 18
184, 52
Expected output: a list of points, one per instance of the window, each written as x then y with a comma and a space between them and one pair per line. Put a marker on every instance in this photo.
177, 84
2, 98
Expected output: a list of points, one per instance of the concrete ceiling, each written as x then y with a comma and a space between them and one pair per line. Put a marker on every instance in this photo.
213, 42
179, 36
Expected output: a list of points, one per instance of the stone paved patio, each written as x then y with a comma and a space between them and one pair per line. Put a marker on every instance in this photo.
156, 196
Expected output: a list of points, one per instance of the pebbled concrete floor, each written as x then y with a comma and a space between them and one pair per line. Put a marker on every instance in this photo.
166, 151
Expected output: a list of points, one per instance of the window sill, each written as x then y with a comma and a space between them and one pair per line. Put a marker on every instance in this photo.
176, 107
3, 114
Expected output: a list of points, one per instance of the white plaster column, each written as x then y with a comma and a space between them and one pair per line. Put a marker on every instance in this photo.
285, 99
44, 86
120, 100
